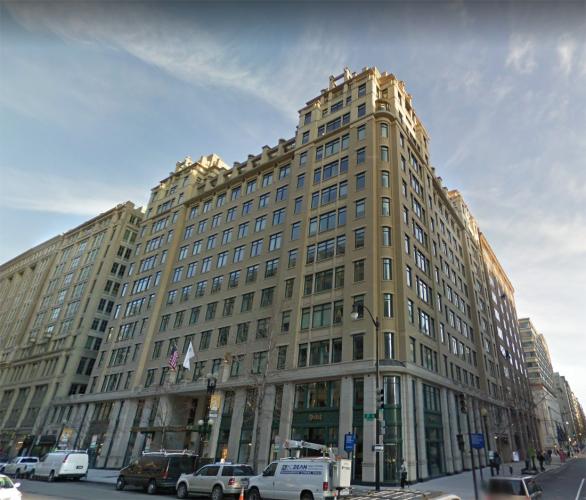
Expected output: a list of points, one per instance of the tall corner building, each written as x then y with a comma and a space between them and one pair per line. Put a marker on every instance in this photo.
259, 266
55, 304
541, 381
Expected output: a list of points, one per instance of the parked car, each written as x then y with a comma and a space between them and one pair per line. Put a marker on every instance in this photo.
512, 488
216, 480
305, 479
8, 489
62, 464
21, 466
156, 471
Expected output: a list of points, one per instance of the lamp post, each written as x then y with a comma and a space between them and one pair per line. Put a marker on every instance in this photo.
358, 312
484, 415
204, 426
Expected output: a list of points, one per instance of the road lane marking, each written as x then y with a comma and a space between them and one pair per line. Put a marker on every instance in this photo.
579, 489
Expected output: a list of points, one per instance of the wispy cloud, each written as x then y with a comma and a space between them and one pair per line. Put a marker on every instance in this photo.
566, 50
47, 192
192, 52
521, 55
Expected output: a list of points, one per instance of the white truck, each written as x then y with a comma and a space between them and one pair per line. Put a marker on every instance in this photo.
310, 478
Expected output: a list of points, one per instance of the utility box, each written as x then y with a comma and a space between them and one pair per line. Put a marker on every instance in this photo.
341, 473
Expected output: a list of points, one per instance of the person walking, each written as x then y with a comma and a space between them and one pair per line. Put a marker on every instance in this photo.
403, 473
497, 463
540, 459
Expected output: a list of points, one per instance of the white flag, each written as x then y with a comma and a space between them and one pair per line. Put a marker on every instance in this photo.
188, 356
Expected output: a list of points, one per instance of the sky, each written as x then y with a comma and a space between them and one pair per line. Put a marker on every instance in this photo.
99, 100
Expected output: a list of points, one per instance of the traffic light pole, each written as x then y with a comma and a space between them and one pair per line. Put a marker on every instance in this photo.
464, 409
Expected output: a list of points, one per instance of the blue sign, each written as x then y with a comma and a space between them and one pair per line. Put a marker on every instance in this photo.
477, 440
349, 442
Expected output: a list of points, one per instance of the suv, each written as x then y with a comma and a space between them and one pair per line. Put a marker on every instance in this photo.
510, 488
215, 479
21, 466
156, 470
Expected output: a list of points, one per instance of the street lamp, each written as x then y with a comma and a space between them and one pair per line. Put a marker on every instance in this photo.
205, 425
358, 312
484, 415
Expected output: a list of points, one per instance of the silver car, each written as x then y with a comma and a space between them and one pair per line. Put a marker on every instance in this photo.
21, 466
216, 480
511, 488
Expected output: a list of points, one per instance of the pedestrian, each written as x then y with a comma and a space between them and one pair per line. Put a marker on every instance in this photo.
491, 463
403, 473
548, 457
541, 459
497, 463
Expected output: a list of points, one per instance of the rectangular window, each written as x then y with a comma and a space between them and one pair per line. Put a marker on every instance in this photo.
358, 347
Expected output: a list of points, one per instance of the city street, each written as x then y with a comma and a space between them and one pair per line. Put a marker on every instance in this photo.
69, 490
564, 483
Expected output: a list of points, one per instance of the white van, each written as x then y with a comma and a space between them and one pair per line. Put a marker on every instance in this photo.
70, 464
302, 479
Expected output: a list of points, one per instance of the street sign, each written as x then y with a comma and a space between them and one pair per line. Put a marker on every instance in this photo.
477, 440
378, 447
349, 442
369, 416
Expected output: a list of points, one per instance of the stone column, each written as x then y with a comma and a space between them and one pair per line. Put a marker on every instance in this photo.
453, 415
478, 426
121, 434
448, 456
346, 411
286, 415
215, 432
420, 417
368, 457
263, 441
408, 420
236, 427
466, 433
111, 434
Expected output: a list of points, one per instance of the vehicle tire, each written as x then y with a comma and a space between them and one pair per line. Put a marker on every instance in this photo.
182, 491
306, 495
120, 483
217, 493
152, 487
17, 474
254, 494
51, 476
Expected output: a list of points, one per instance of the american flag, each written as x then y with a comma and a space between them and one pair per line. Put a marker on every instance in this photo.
173, 358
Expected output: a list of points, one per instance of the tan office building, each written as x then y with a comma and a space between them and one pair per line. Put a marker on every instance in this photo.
541, 382
56, 301
259, 267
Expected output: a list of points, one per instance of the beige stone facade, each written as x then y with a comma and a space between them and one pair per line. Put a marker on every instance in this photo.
259, 266
56, 303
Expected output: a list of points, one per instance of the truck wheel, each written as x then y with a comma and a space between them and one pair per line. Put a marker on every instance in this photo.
152, 487
51, 477
306, 495
254, 494
182, 491
217, 493
17, 474
120, 483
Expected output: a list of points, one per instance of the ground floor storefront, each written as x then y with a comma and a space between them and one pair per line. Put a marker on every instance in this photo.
421, 423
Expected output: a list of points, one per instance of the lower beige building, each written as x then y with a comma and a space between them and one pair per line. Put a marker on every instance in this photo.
57, 301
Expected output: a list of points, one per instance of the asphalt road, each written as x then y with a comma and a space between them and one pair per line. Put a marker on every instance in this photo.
72, 490
564, 483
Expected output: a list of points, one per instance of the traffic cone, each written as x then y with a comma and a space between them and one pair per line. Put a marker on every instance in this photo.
241, 494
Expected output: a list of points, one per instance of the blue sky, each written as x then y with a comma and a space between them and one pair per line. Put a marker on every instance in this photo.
98, 102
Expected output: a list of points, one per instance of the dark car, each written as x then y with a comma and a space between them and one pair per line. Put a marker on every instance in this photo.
157, 471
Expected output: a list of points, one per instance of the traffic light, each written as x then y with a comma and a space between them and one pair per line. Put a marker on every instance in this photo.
380, 427
381, 399
462, 401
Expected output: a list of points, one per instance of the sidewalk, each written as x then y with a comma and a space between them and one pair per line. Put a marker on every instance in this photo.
106, 476
461, 484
